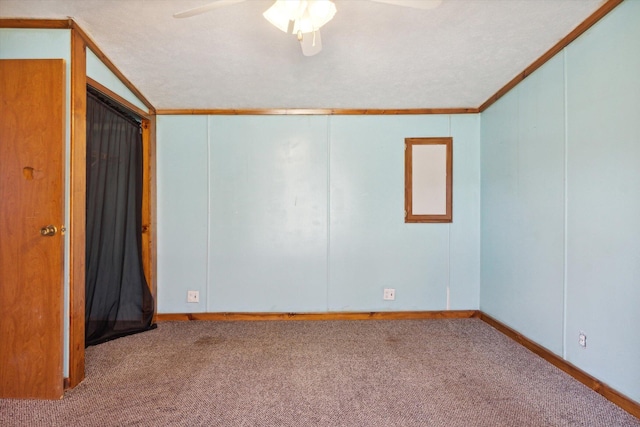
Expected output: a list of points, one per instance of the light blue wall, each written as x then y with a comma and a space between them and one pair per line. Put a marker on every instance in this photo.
464, 232
99, 72
268, 221
371, 248
560, 233
182, 210
523, 207
305, 214
48, 44
603, 215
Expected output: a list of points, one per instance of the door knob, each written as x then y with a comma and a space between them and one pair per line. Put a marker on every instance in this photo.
49, 230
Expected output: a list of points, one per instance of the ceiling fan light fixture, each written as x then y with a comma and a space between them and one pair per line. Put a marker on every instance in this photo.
304, 24
307, 15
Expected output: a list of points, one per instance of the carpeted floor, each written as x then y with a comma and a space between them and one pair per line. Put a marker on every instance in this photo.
335, 373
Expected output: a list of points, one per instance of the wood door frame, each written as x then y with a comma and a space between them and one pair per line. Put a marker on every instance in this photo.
77, 222
77, 208
79, 80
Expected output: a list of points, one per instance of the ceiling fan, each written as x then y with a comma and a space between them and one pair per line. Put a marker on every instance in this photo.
303, 17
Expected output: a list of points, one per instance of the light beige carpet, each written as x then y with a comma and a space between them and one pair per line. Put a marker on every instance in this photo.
325, 373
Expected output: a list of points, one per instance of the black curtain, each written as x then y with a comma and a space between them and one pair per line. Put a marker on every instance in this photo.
118, 300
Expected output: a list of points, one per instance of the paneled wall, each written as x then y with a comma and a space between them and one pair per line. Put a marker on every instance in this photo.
603, 191
560, 207
306, 214
523, 191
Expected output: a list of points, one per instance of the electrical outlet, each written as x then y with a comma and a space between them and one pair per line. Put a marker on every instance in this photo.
193, 296
389, 294
582, 340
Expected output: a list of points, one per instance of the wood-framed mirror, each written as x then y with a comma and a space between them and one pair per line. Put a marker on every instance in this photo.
428, 179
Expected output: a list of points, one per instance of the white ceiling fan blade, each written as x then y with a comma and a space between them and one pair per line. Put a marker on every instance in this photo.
207, 7
416, 4
311, 43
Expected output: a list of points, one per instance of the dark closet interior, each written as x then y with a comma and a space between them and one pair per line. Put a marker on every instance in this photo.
118, 301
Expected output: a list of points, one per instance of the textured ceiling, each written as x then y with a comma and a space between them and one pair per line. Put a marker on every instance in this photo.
374, 55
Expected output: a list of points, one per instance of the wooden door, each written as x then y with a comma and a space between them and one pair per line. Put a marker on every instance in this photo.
32, 128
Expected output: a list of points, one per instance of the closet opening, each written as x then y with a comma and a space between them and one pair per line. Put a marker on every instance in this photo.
118, 299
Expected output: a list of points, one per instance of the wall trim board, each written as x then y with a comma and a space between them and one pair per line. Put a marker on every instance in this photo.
593, 383
149, 210
374, 315
117, 98
60, 24
77, 208
603, 10
315, 111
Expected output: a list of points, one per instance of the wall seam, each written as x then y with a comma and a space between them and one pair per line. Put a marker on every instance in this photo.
208, 271
328, 255
480, 210
565, 207
448, 301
